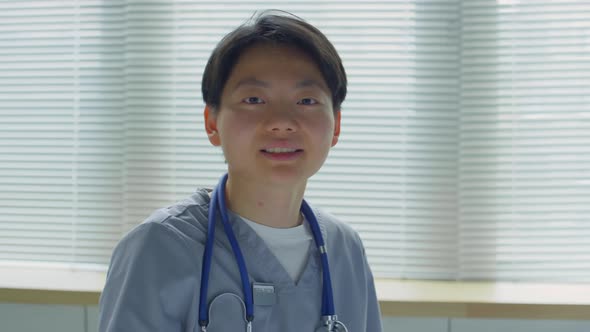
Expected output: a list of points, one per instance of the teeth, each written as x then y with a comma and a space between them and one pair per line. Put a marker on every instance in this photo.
280, 150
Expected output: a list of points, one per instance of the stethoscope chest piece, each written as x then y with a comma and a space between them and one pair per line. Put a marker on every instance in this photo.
331, 324
337, 327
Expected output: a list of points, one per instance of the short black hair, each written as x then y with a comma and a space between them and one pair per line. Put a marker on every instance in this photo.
274, 27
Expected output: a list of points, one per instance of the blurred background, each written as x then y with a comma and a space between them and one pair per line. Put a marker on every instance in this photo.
464, 153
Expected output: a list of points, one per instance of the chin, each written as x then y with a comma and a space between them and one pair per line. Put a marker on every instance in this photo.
285, 177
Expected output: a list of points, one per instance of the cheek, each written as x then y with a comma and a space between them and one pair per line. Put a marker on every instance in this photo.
236, 126
322, 128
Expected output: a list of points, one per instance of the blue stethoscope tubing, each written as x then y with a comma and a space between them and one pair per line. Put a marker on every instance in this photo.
218, 203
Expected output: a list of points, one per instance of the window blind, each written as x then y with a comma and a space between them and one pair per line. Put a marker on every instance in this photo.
464, 147
525, 140
61, 130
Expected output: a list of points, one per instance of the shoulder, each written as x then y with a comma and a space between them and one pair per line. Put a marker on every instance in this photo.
171, 231
148, 244
184, 222
153, 273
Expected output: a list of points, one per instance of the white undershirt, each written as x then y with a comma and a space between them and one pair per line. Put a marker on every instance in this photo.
289, 245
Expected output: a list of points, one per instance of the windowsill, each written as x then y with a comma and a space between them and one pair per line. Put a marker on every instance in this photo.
397, 297
484, 299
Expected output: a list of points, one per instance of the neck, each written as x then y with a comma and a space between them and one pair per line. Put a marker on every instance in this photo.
267, 204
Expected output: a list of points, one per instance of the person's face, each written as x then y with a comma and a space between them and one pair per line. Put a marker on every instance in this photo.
275, 122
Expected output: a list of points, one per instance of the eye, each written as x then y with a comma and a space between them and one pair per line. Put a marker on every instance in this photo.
253, 100
307, 101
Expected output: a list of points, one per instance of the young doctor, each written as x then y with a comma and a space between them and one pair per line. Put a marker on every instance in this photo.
252, 255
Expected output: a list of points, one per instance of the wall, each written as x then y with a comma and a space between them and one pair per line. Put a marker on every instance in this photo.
63, 318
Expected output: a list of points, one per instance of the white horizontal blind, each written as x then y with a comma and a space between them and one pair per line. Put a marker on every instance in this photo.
61, 97
464, 147
525, 140
168, 155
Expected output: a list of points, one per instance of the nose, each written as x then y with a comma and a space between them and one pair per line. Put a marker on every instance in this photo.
281, 120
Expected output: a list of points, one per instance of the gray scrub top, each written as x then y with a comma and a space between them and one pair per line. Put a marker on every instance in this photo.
154, 278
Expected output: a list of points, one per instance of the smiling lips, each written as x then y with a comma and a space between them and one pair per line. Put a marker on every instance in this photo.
281, 153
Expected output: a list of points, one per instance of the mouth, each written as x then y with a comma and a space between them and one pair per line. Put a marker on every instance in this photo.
281, 154
280, 150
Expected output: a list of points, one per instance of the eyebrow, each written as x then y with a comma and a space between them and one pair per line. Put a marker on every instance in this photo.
309, 82
258, 83
251, 81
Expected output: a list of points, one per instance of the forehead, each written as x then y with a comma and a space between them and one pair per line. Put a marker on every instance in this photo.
266, 63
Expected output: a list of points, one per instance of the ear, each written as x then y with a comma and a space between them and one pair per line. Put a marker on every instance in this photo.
336, 127
211, 125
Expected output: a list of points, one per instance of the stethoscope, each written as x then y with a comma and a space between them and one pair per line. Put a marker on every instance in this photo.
329, 321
